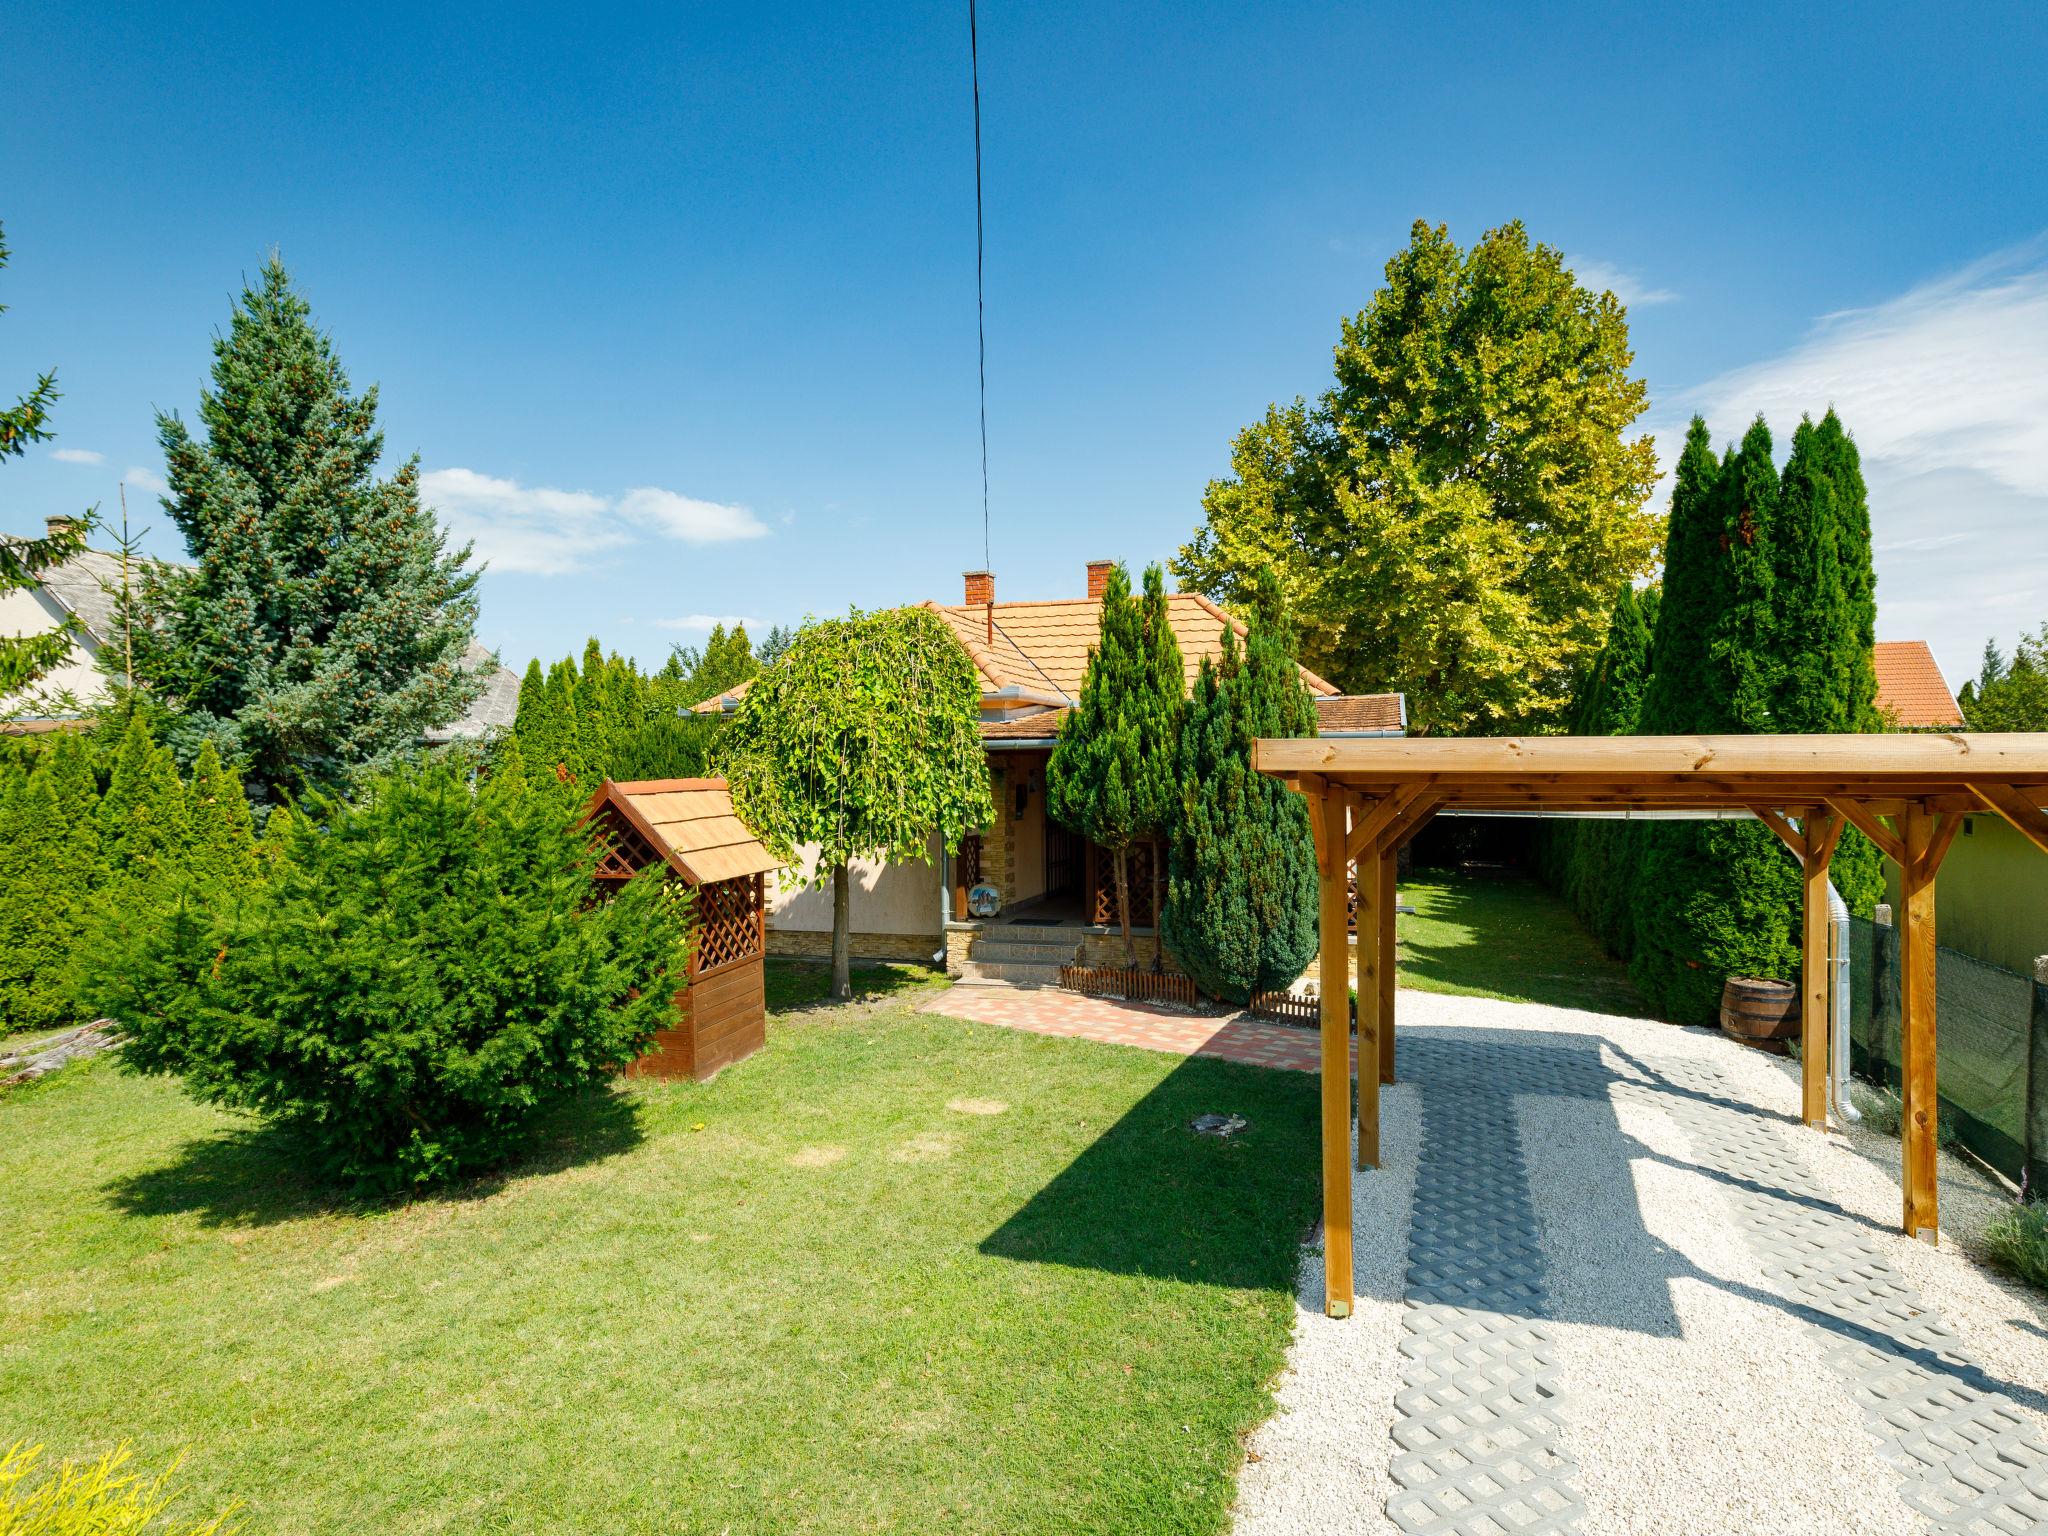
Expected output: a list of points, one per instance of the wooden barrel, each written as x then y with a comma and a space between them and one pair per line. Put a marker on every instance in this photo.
1759, 1013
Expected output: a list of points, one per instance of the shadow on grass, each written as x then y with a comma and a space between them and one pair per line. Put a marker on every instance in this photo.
1150, 1197
801, 986
1498, 932
259, 1174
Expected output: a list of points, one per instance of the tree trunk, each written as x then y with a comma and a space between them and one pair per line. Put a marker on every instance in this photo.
1158, 908
842, 934
1123, 901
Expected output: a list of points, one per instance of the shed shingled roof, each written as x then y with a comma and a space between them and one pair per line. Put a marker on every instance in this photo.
692, 824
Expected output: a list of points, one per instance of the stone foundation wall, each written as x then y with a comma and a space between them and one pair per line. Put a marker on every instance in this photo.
906, 948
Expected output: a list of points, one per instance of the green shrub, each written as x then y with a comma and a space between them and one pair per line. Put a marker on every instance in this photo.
97, 1499
2017, 1242
423, 971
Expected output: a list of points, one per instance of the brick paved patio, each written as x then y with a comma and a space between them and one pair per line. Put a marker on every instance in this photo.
1047, 1011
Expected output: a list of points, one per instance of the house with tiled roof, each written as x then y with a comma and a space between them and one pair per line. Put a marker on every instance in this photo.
1911, 692
1053, 889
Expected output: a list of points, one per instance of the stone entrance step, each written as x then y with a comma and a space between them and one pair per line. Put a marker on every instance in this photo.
988, 973
1034, 950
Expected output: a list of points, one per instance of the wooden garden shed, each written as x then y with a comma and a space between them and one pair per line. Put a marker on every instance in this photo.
688, 824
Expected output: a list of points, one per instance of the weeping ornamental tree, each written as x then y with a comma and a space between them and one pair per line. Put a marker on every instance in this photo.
863, 742
320, 627
1112, 776
1240, 912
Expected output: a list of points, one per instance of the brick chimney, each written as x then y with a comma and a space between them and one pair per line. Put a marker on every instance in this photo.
1098, 576
981, 590
56, 527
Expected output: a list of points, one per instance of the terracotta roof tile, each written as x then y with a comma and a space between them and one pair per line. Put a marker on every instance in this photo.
1910, 686
1044, 646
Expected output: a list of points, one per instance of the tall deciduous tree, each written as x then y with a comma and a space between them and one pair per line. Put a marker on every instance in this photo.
1112, 773
864, 742
1452, 517
1240, 914
321, 625
24, 659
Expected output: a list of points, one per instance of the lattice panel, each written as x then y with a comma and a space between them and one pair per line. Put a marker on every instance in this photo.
728, 921
622, 851
1139, 863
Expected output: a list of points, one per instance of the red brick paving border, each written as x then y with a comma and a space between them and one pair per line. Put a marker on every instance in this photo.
1049, 1011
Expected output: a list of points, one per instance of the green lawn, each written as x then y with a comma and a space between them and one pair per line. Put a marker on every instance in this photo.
1500, 933
896, 1273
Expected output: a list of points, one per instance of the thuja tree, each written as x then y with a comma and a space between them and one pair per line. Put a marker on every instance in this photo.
863, 742
1593, 862
1112, 776
320, 626
423, 972
1715, 899
1825, 597
1240, 913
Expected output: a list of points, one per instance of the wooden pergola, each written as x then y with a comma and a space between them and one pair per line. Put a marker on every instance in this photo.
1907, 793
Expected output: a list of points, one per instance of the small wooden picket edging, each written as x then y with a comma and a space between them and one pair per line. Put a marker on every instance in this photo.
1289, 1007
1133, 986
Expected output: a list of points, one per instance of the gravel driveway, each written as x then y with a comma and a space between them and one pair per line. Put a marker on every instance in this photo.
1607, 1283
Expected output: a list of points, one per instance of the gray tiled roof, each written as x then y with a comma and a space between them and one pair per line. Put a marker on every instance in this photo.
88, 585
498, 703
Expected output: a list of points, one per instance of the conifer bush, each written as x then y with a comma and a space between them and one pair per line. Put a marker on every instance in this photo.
1241, 900
422, 972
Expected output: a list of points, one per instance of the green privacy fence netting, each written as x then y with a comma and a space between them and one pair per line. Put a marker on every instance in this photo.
1991, 1047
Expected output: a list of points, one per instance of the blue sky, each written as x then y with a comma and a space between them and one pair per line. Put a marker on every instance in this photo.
677, 304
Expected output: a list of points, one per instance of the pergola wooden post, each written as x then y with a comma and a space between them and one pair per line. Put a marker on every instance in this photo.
1907, 793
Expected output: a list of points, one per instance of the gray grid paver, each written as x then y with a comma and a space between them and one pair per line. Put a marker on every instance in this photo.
1960, 1447
1478, 1420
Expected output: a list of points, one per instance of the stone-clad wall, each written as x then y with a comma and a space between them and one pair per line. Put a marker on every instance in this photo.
911, 948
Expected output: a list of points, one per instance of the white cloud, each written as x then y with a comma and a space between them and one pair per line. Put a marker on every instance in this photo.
709, 621
77, 456
549, 532
688, 519
146, 480
1946, 394
1605, 276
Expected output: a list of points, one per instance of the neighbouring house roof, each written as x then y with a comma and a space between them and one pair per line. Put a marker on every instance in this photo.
1042, 647
723, 703
690, 823
1910, 686
494, 708
88, 587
